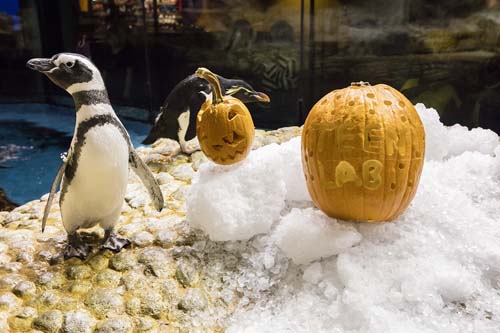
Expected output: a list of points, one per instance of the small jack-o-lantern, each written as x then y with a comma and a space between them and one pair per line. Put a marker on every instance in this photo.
224, 126
362, 152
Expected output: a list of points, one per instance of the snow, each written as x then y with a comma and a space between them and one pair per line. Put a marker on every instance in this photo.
239, 201
305, 235
436, 268
444, 142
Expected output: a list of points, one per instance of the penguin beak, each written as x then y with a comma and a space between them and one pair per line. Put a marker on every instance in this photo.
261, 97
40, 64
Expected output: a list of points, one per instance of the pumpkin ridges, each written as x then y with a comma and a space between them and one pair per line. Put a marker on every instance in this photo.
330, 120
413, 177
390, 162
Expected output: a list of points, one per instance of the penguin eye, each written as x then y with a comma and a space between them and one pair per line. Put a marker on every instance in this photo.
70, 64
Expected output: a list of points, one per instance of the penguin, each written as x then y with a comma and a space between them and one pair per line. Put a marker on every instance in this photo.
94, 172
184, 101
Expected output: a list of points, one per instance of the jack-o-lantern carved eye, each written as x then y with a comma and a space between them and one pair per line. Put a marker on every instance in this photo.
224, 127
231, 115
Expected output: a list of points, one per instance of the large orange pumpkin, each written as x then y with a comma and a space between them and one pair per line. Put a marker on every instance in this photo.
362, 152
224, 126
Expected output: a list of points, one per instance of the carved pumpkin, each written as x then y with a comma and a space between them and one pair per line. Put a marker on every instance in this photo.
224, 126
362, 152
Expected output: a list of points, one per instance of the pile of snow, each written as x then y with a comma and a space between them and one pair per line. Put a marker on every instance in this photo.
444, 142
240, 201
434, 269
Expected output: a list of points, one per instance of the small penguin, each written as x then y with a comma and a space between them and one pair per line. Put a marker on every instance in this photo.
94, 173
184, 101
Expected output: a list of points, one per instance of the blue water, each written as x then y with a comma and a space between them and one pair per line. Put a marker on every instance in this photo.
32, 136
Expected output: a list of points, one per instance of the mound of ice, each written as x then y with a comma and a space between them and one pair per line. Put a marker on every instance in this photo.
436, 268
305, 235
240, 201
444, 142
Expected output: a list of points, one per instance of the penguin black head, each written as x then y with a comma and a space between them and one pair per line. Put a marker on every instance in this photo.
70, 71
245, 93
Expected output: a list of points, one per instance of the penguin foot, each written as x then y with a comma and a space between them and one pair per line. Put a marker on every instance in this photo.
114, 243
76, 250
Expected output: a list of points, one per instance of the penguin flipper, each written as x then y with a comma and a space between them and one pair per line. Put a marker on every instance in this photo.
141, 169
53, 190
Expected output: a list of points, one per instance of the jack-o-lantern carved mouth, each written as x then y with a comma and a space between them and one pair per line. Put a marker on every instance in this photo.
233, 140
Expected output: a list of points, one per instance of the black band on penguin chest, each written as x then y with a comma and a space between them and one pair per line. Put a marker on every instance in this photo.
90, 97
82, 130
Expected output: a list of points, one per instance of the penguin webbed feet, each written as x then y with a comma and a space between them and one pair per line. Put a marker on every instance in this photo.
113, 242
76, 248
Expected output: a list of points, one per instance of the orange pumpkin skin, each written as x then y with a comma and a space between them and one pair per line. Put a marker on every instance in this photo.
225, 130
362, 153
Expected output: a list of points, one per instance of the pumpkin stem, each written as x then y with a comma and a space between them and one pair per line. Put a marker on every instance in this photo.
212, 79
360, 84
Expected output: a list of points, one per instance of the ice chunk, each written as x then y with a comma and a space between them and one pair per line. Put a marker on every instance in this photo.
436, 135
240, 201
308, 234
296, 188
444, 142
477, 139
313, 273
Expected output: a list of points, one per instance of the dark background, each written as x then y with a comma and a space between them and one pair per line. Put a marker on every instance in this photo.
443, 53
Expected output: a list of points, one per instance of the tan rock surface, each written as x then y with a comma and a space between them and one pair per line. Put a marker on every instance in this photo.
169, 280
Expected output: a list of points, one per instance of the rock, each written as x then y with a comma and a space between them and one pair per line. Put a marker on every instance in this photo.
9, 302
152, 304
133, 306
166, 146
134, 280
143, 238
78, 272
123, 261
108, 278
51, 280
5, 203
186, 273
98, 262
80, 287
121, 324
78, 321
181, 193
166, 238
27, 312
47, 299
24, 289
146, 325
164, 178
193, 300
183, 172
9, 281
105, 302
49, 321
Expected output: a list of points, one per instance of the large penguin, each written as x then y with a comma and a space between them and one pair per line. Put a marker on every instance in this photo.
184, 101
95, 171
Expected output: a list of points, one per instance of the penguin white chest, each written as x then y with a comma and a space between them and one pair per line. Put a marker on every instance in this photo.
100, 180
